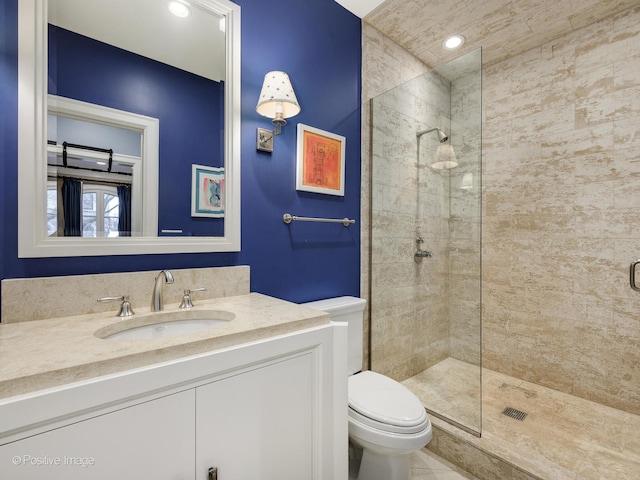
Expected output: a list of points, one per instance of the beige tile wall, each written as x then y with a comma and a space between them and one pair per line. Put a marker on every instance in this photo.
464, 215
561, 198
409, 299
384, 66
561, 213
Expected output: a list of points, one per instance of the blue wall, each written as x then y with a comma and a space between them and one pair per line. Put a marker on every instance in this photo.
319, 47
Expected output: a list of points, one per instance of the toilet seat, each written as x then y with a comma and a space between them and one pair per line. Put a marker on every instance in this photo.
384, 404
354, 416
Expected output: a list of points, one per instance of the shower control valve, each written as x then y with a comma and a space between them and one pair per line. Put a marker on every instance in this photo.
420, 254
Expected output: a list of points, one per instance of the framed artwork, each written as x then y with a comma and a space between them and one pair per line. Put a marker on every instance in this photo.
320, 161
207, 191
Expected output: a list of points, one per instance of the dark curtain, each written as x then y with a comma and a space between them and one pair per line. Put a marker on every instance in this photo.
124, 210
72, 207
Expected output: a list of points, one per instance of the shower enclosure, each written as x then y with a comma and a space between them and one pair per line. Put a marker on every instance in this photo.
425, 238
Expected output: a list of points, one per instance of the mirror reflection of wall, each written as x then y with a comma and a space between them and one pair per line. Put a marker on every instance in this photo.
189, 107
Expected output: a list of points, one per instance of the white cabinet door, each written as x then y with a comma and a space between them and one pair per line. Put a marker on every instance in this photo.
259, 425
149, 441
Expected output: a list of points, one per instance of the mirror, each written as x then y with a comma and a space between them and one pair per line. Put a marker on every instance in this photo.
60, 101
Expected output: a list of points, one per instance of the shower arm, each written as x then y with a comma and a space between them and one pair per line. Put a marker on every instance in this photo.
442, 137
424, 132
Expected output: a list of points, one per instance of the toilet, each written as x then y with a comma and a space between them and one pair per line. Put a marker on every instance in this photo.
386, 420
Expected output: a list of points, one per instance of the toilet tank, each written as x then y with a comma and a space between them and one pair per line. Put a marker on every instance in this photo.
350, 310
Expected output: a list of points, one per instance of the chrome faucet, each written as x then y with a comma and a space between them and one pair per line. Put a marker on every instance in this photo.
157, 300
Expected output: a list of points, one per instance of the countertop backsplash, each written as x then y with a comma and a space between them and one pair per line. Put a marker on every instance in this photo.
27, 299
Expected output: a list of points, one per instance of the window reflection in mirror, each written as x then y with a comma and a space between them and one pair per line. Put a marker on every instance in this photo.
100, 211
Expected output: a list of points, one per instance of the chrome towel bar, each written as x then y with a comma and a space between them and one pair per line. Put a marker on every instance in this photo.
288, 218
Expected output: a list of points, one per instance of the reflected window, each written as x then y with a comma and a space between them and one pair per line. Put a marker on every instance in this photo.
52, 209
100, 210
100, 207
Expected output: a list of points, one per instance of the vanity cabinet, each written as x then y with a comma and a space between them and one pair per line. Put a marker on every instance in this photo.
259, 424
268, 410
152, 440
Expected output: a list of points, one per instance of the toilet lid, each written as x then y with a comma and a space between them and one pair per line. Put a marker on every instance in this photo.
385, 401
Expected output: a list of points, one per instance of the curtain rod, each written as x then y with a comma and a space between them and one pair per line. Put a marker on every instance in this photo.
92, 181
89, 169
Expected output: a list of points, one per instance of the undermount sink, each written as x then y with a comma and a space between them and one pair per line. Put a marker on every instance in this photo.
165, 325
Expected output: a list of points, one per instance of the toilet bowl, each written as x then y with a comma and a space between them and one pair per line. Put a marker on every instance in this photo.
386, 420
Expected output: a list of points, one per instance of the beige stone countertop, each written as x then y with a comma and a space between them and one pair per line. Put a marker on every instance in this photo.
46, 353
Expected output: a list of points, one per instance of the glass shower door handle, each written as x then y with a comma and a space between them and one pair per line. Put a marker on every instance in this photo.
632, 276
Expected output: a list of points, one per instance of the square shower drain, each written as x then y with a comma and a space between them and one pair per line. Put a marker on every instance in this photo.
514, 413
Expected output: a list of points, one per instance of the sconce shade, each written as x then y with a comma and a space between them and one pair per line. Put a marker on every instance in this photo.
445, 158
277, 97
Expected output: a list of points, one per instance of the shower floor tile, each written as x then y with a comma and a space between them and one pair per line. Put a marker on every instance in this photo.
562, 437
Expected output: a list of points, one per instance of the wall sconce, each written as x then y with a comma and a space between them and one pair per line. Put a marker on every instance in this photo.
277, 101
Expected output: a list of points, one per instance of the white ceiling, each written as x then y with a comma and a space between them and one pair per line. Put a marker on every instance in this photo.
360, 7
146, 27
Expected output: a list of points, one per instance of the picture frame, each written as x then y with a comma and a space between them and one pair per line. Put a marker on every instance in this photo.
207, 191
320, 161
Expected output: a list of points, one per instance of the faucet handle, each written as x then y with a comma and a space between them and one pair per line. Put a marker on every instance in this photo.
186, 298
125, 306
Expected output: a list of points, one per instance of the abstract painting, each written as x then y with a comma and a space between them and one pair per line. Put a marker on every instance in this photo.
207, 191
320, 161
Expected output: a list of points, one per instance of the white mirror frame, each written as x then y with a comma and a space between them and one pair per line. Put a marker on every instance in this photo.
32, 151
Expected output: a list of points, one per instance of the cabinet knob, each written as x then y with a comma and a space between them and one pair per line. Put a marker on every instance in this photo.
213, 473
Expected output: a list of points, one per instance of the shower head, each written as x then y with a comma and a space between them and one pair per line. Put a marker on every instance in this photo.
441, 135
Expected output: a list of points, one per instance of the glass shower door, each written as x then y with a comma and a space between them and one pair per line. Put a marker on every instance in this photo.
425, 298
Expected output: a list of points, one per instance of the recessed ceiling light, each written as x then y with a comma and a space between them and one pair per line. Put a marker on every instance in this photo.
179, 9
453, 41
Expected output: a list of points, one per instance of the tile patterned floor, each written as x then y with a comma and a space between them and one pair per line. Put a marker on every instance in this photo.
563, 437
425, 465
